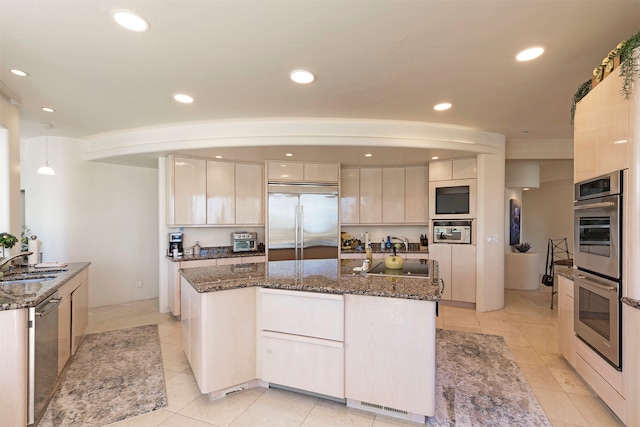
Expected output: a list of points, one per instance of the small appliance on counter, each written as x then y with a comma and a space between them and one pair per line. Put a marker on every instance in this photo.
176, 249
244, 241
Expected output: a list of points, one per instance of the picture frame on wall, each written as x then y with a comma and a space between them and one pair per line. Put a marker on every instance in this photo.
515, 218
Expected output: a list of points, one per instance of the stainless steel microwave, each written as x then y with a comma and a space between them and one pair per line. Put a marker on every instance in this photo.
452, 232
244, 241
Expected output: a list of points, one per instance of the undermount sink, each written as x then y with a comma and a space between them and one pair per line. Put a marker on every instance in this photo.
24, 279
409, 269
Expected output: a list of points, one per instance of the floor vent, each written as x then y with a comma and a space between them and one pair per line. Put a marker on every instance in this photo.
384, 408
235, 389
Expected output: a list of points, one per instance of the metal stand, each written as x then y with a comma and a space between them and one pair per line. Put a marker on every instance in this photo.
557, 254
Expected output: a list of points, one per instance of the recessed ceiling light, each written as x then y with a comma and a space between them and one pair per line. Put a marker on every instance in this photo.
442, 106
48, 109
19, 72
130, 20
368, 155
218, 157
526, 131
435, 158
185, 99
525, 189
289, 154
302, 76
529, 54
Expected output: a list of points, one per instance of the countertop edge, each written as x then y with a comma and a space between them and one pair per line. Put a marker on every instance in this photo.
633, 303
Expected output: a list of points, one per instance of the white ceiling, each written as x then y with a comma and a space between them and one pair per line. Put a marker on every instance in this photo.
374, 59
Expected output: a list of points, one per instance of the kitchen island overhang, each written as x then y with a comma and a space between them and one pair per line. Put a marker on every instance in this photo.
314, 326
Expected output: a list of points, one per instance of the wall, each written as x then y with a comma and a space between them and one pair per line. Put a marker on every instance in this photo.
102, 213
10, 212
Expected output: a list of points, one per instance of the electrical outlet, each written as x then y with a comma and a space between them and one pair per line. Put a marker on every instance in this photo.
138, 283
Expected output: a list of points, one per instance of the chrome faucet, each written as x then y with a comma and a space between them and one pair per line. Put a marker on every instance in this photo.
5, 261
403, 240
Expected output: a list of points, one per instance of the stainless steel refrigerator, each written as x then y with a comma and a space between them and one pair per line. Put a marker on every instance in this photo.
302, 222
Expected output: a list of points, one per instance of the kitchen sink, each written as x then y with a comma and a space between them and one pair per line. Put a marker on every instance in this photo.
409, 269
14, 280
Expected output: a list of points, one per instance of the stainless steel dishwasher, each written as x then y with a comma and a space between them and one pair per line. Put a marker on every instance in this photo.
43, 356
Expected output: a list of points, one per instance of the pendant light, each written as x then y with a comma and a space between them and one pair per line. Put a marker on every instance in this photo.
46, 169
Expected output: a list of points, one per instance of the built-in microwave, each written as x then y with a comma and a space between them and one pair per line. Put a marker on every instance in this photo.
452, 232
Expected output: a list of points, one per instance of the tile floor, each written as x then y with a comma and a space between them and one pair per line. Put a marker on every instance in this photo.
527, 324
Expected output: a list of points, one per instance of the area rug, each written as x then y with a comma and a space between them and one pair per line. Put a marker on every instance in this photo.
113, 376
478, 383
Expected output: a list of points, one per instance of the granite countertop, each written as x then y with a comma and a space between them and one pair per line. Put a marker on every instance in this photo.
325, 276
214, 252
27, 295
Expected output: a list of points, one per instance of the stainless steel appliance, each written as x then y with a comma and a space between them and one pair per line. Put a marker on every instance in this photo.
244, 241
43, 356
176, 242
452, 232
302, 222
597, 219
598, 258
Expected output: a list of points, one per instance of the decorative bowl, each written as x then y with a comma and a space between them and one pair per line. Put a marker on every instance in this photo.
522, 247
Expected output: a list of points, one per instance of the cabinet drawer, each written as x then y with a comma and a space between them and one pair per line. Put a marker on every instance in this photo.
303, 313
293, 361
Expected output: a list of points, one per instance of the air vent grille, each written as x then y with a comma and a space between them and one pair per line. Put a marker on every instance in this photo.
384, 408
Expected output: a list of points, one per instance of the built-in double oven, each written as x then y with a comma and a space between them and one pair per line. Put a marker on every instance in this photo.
598, 258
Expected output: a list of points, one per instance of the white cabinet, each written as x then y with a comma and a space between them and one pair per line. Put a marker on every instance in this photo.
309, 336
188, 191
457, 266
221, 185
73, 316
371, 196
302, 172
350, 196
393, 195
416, 204
249, 195
219, 330
79, 314
390, 353
13, 366
64, 330
445, 170
566, 334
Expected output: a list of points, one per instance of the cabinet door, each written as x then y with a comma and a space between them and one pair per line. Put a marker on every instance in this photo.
249, 194
464, 169
613, 126
285, 171
190, 191
585, 137
221, 184
64, 332
440, 171
441, 252
393, 191
195, 336
173, 285
463, 273
566, 335
79, 314
185, 316
321, 172
416, 206
370, 196
350, 196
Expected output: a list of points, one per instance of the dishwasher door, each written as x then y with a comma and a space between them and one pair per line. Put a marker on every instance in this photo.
43, 356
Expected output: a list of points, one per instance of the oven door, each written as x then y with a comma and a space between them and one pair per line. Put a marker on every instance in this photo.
597, 235
597, 315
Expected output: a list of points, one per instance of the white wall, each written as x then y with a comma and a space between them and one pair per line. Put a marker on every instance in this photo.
102, 213
10, 214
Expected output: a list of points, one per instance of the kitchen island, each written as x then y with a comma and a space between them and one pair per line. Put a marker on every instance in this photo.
313, 326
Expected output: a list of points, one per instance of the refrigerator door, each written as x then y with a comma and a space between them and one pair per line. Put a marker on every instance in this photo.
283, 226
319, 226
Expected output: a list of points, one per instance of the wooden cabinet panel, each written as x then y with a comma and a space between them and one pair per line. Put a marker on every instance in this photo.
566, 335
79, 313
464, 169
375, 371
585, 138
14, 359
189, 191
416, 206
221, 185
371, 196
350, 196
249, 197
441, 252
614, 136
393, 194
440, 171
285, 171
463, 273
64, 332
321, 172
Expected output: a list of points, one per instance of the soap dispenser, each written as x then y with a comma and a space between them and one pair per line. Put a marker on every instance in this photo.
388, 244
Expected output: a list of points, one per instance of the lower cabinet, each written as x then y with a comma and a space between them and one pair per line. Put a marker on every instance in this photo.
300, 332
457, 264
219, 336
14, 356
566, 335
73, 316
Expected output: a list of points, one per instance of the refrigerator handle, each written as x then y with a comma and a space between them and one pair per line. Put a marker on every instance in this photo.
301, 231
297, 237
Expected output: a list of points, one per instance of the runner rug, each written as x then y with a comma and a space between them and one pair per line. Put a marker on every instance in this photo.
478, 383
113, 376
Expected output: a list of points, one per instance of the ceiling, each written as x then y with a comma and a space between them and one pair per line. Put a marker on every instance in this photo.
376, 59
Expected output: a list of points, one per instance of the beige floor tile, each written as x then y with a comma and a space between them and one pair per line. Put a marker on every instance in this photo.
571, 382
178, 420
221, 412
277, 408
513, 339
543, 344
385, 421
559, 407
328, 413
540, 376
150, 419
499, 325
554, 360
181, 391
529, 329
595, 411
526, 355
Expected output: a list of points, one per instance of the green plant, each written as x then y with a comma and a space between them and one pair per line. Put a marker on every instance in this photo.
583, 90
7, 240
629, 64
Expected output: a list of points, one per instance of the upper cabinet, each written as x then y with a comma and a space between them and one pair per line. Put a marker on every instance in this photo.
206, 192
452, 189
384, 195
446, 170
602, 134
302, 172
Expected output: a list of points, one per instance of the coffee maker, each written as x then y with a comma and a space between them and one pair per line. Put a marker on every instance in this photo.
175, 242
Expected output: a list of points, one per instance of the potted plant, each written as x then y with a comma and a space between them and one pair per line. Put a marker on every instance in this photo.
7, 241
